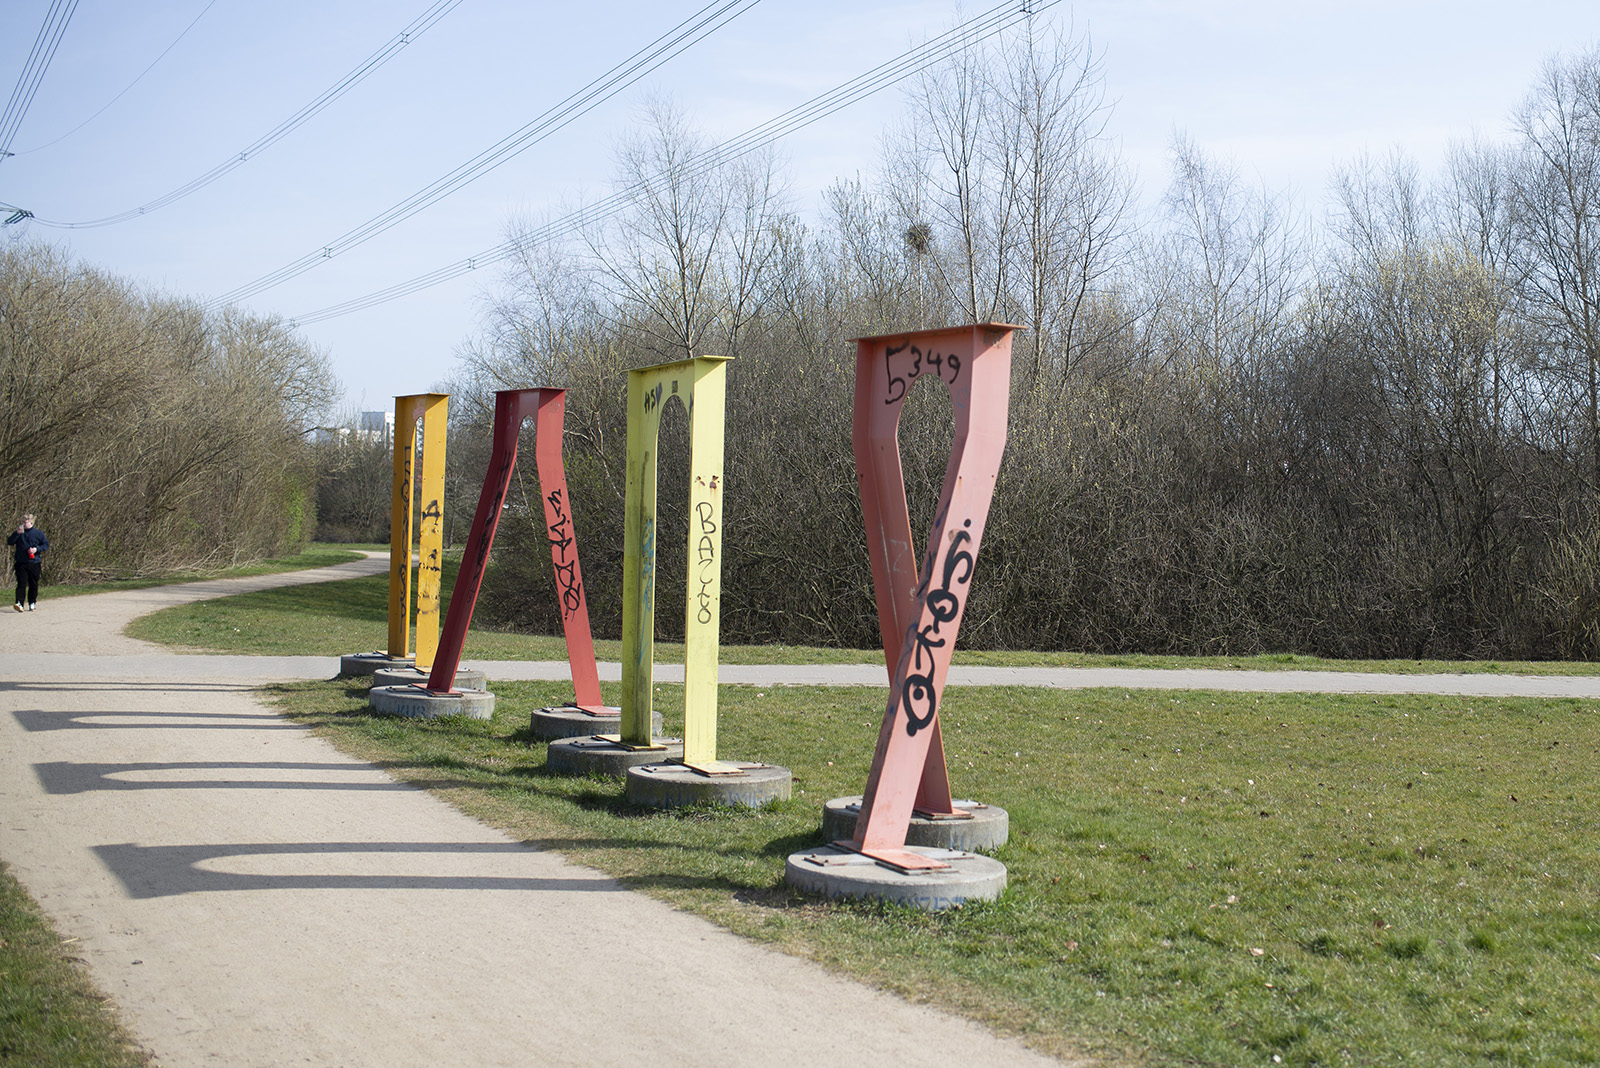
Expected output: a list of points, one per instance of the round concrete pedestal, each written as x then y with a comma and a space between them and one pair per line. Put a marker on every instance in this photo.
568, 721
660, 785
837, 873
597, 756
466, 678
368, 663
418, 703
988, 828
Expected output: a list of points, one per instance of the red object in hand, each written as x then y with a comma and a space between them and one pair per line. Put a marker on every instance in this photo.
32, 552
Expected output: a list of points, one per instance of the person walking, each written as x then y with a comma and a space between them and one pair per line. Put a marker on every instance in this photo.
29, 545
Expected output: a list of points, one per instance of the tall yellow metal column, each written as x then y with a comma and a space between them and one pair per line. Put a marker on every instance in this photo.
433, 410
701, 385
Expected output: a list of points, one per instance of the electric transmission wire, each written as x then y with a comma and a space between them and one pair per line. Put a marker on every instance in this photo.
424, 22
993, 21
673, 43
130, 85
44, 50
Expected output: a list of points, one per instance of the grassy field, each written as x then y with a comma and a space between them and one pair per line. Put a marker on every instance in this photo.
1199, 878
50, 1014
1203, 878
331, 619
316, 555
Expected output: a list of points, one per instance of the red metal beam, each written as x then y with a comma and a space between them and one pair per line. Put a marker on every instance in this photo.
920, 613
511, 407
570, 593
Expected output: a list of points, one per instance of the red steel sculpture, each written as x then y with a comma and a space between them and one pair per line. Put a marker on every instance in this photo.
920, 614
511, 407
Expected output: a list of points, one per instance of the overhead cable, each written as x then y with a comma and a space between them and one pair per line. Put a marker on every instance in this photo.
130, 85
44, 50
424, 22
983, 26
679, 39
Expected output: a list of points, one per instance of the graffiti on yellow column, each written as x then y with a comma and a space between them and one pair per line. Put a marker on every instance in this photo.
425, 498
701, 386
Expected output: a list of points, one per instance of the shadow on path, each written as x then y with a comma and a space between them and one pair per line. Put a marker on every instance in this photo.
39, 719
166, 871
67, 777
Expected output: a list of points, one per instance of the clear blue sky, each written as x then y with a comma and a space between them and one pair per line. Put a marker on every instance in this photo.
1285, 91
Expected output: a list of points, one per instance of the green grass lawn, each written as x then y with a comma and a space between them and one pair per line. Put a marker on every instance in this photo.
331, 619
50, 1014
315, 555
1202, 878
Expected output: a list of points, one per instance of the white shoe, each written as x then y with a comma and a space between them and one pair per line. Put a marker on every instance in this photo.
17, 606
31, 607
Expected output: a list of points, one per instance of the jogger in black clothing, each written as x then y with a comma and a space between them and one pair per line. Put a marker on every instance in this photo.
29, 544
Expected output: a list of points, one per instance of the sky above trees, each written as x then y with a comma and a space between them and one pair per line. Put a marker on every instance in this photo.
1285, 93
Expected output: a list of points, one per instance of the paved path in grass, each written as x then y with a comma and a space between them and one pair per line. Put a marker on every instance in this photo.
81, 637
291, 668
248, 896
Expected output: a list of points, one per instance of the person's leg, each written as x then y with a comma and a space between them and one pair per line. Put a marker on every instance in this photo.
33, 569
22, 584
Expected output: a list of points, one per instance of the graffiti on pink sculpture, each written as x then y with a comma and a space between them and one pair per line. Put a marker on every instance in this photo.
548, 409
920, 610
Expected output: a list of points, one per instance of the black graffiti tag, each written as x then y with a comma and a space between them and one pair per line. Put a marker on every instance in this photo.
918, 694
502, 480
706, 555
923, 362
652, 398
561, 545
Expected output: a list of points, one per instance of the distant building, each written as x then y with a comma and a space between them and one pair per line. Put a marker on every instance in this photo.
322, 435
376, 426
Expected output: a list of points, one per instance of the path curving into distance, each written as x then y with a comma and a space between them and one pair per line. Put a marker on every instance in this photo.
249, 896
81, 638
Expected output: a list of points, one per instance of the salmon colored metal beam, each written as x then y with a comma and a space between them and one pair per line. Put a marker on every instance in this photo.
511, 407
570, 591
920, 612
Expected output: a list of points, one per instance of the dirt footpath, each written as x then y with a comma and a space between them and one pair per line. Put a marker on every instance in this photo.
249, 896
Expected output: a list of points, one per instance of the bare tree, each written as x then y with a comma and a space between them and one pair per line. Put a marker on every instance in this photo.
1070, 194
1239, 257
690, 256
1555, 210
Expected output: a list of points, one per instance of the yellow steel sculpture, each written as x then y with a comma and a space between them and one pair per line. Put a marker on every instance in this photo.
433, 409
701, 385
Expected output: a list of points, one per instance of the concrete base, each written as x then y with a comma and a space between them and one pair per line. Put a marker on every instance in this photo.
418, 703
567, 721
988, 828
466, 678
355, 664
663, 785
837, 873
597, 756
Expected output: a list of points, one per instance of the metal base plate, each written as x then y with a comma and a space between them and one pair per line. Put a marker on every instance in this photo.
986, 826
598, 755
838, 873
677, 785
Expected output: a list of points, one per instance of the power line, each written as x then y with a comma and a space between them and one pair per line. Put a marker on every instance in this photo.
130, 85
995, 20
679, 39
390, 49
44, 50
